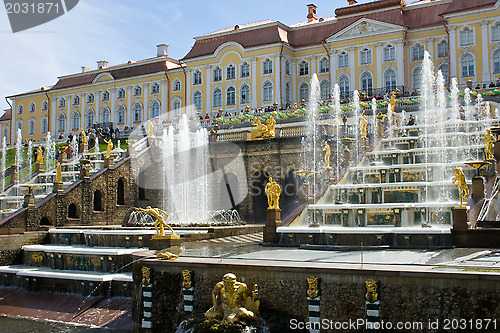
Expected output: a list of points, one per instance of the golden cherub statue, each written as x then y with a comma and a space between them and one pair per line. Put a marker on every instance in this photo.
150, 129
328, 153
271, 132
39, 155
109, 147
488, 145
58, 173
273, 191
229, 299
371, 291
463, 189
84, 137
161, 218
364, 127
265, 131
392, 101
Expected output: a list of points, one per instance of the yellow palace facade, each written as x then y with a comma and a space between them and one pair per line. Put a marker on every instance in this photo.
373, 47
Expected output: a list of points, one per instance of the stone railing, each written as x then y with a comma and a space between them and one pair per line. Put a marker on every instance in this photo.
233, 136
291, 131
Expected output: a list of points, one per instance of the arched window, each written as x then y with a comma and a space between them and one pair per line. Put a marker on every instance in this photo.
467, 65
231, 96
105, 95
390, 79
230, 72
304, 92
466, 36
90, 98
418, 52
105, 116
72, 211
154, 109
496, 61
197, 77
217, 74
287, 67
19, 125
32, 107
303, 68
389, 53
98, 207
323, 65
495, 32
20, 109
90, 118
443, 48
45, 105
45, 124
75, 120
120, 192
177, 107
155, 88
268, 91
197, 100
245, 94
137, 91
137, 112
76, 100
121, 93
367, 83
217, 98
245, 70
445, 71
61, 122
288, 92
62, 102
417, 78
121, 112
31, 126
267, 66
366, 56
344, 86
177, 85
343, 59
325, 90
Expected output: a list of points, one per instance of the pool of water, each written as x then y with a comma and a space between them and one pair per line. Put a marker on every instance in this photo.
12, 325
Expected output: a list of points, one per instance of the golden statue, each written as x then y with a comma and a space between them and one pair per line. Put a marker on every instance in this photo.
109, 147
271, 132
161, 218
463, 189
186, 279
146, 276
229, 298
488, 145
371, 291
84, 137
58, 173
39, 155
273, 191
328, 153
312, 289
150, 129
165, 255
381, 117
364, 127
265, 131
392, 101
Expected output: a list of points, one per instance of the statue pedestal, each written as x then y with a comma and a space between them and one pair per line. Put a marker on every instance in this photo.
460, 217
108, 161
82, 148
158, 242
478, 188
58, 187
39, 168
273, 221
29, 201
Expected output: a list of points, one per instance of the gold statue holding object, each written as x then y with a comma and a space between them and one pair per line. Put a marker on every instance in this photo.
186, 279
371, 291
161, 218
109, 147
488, 145
84, 137
265, 131
273, 191
312, 289
364, 127
58, 173
328, 153
146, 276
39, 155
229, 298
463, 189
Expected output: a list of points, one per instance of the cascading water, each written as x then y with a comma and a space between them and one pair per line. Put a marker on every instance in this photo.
444, 157
74, 152
374, 120
337, 122
468, 118
357, 109
456, 140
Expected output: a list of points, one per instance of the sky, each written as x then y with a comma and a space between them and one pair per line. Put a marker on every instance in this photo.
123, 30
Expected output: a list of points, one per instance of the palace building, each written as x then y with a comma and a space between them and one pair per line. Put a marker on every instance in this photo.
374, 47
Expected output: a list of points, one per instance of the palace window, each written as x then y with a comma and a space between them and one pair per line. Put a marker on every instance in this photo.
230, 96
197, 77
245, 94
230, 72
325, 90
75, 120
154, 109
417, 78
20, 109
217, 74
137, 112
105, 116
121, 93
31, 126
32, 107
367, 83
389, 53
288, 92
467, 65
287, 67
495, 32
496, 62
155, 88
90, 118
217, 98
466, 36
177, 108
267, 66
197, 100
76, 100
45, 124
304, 92
343, 60
390, 79
443, 49
245, 70
268, 91
344, 86
105, 95
45, 105
177, 85
366, 56
121, 112
61, 122
137, 91
303, 68
323, 66
445, 72
62, 103
418, 52
90, 98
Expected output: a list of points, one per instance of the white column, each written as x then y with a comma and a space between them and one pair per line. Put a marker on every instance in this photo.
209, 90
129, 119
69, 102
97, 96
254, 82
486, 77
430, 47
333, 68
400, 61
54, 116
164, 99
187, 102
293, 72
112, 116
352, 67
146, 104
453, 51
379, 51
277, 86
313, 65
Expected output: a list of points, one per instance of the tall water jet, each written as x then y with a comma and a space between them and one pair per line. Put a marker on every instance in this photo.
357, 109
444, 157
29, 155
374, 120
468, 119
74, 153
337, 121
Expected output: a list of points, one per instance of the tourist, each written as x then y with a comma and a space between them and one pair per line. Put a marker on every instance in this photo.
492, 85
478, 86
498, 82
